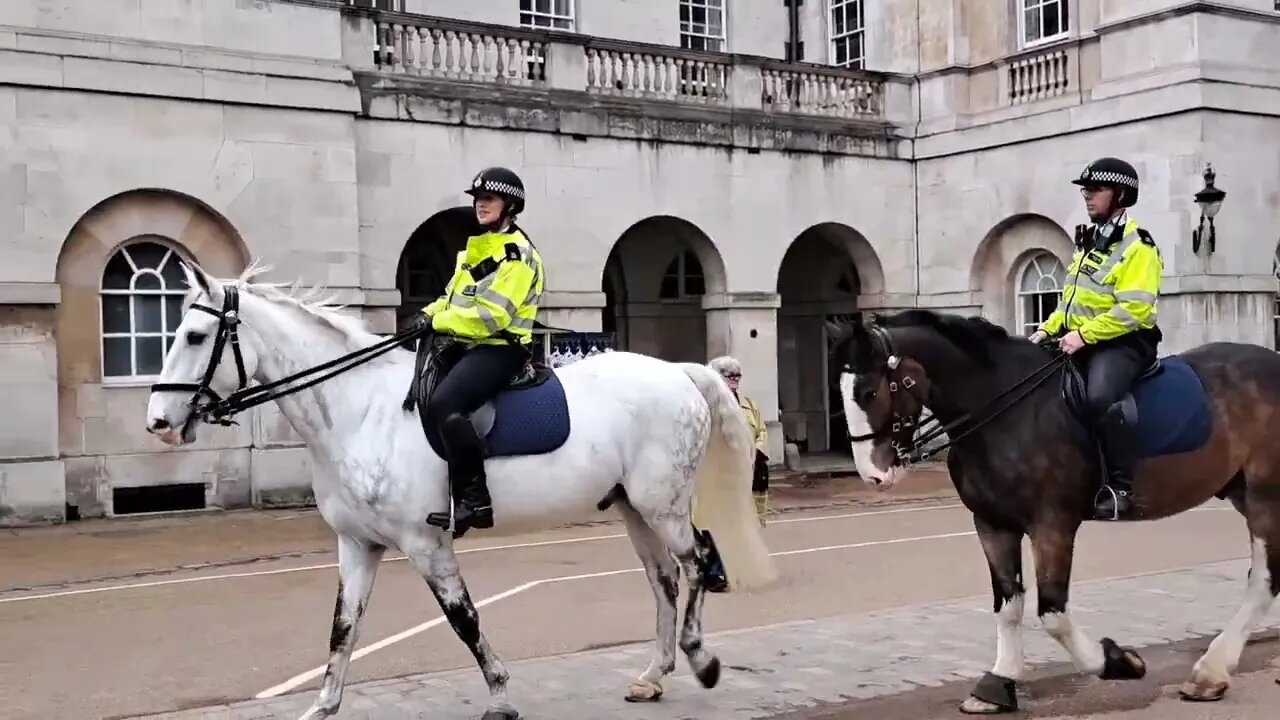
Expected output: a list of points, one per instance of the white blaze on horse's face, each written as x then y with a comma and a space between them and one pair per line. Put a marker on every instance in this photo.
188, 360
864, 455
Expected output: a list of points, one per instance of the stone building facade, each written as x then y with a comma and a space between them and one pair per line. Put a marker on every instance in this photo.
704, 176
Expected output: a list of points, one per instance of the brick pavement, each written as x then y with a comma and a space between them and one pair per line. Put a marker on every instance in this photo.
794, 665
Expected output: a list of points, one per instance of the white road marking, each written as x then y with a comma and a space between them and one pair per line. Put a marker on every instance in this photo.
464, 551
313, 673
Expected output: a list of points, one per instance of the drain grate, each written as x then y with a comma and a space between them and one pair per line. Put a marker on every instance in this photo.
157, 498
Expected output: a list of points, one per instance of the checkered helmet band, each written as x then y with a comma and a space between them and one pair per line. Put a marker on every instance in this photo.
502, 188
1109, 177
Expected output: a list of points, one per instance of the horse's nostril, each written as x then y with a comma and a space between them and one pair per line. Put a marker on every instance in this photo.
159, 424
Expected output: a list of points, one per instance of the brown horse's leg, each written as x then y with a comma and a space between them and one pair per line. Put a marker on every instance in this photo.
1052, 546
1211, 674
996, 692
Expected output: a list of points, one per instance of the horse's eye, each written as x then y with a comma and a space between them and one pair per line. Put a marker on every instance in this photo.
867, 395
195, 338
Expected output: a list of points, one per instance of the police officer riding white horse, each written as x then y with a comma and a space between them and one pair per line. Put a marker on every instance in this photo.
483, 327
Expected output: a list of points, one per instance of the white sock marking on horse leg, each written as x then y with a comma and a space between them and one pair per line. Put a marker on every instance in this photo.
1085, 652
1009, 660
357, 567
1220, 660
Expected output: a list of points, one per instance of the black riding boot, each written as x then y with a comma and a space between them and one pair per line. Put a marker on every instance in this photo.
467, 484
712, 567
1119, 446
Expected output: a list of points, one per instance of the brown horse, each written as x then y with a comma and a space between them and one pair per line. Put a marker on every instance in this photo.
1024, 463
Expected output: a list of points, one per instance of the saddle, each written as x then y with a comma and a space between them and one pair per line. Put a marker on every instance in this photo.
529, 416
1166, 405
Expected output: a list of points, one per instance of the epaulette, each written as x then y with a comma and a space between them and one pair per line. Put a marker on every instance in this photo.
1145, 237
513, 251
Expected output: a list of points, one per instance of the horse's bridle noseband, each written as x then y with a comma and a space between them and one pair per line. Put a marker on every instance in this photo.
218, 410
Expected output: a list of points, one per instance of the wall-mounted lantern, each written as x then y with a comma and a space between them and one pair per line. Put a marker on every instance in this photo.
1210, 201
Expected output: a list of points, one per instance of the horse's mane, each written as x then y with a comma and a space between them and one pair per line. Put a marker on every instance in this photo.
974, 335
311, 300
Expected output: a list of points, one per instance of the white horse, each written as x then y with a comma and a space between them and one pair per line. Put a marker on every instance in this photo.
644, 433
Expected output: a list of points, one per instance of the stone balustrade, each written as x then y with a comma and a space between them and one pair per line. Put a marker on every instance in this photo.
444, 49
1038, 77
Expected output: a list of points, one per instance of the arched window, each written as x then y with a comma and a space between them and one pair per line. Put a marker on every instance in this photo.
683, 278
1039, 287
142, 291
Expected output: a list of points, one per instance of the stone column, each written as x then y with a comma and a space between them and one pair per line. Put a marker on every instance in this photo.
745, 325
32, 476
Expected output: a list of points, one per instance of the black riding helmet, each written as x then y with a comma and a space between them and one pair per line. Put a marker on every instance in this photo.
1113, 173
501, 182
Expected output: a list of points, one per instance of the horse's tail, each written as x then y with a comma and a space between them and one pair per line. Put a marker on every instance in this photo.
723, 486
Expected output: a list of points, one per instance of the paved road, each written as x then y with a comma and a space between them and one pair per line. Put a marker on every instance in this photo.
875, 602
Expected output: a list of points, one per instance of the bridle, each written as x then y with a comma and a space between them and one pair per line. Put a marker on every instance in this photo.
912, 448
903, 424
218, 410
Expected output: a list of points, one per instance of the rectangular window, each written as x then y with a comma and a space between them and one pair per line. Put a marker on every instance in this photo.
1043, 20
846, 26
553, 14
702, 25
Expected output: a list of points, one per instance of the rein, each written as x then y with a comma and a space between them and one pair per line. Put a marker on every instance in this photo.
219, 410
916, 452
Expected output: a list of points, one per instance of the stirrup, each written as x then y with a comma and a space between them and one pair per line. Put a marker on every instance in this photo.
1116, 496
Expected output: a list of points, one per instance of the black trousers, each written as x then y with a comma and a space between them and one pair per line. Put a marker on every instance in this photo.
1112, 366
760, 474
477, 374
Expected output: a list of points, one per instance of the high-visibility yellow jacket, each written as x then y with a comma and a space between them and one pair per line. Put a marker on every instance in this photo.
494, 292
1110, 291
758, 432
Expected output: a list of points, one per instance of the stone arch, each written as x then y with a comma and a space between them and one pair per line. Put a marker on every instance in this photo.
1007, 250
99, 418
822, 274
654, 280
428, 258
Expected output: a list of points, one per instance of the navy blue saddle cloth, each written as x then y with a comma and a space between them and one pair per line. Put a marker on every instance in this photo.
530, 417
1168, 403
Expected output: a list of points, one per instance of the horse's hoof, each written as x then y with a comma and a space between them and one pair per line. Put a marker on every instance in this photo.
993, 694
1192, 691
1122, 663
644, 691
974, 706
709, 675
509, 714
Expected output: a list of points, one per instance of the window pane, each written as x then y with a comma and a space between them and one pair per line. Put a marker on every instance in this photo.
168, 343
115, 313
147, 254
147, 313
1032, 31
117, 274
116, 360
172, 274
564, 7
525, 5
543, 6
172, 312
147, 281
150, 355
1052, 26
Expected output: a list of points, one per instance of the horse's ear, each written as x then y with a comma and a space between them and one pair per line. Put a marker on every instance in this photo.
198, 278
836, 330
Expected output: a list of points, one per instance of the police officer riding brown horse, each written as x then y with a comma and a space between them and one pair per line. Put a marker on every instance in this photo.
1040, 442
